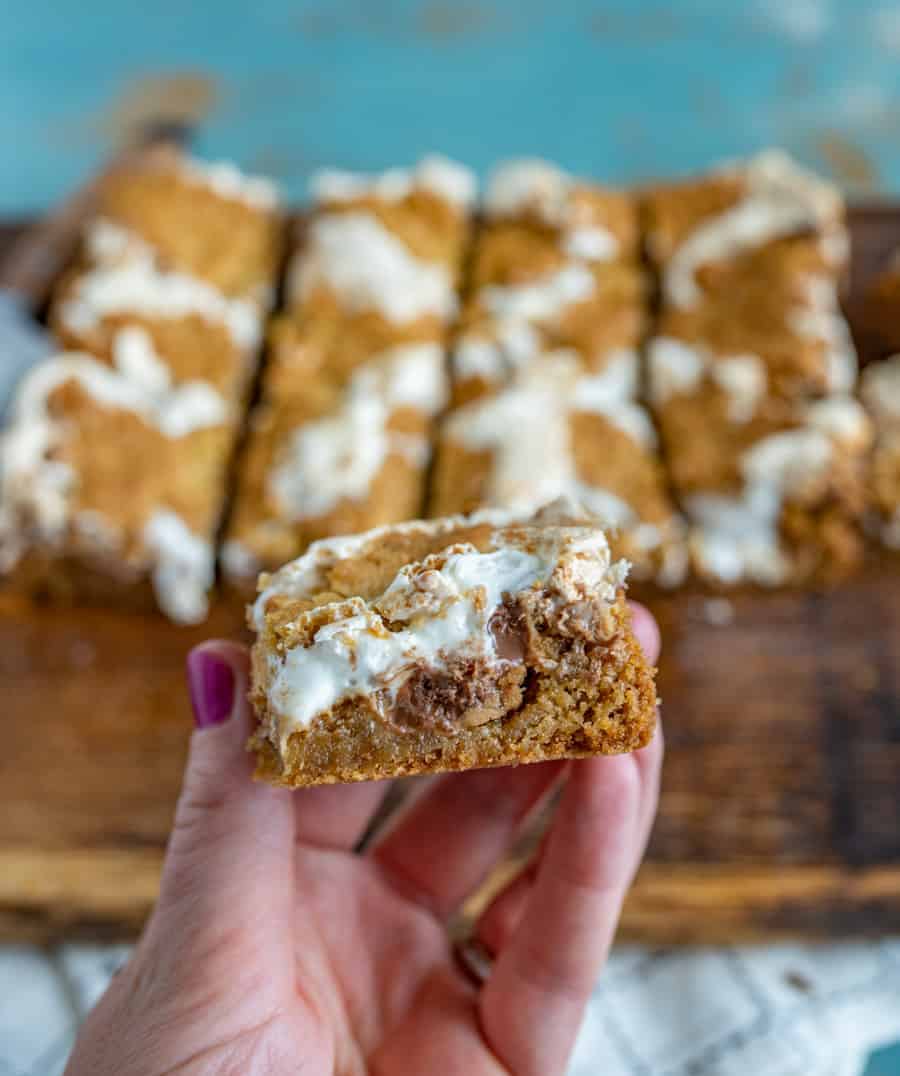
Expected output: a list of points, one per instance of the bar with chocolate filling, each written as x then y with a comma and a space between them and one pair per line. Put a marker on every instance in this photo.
341, 439
445, 645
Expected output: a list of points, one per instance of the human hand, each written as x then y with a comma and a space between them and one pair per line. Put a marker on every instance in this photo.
276, 948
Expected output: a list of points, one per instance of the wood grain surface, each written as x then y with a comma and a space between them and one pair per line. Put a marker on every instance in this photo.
780, 813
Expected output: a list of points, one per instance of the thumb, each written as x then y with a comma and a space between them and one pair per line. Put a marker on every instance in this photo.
229, 865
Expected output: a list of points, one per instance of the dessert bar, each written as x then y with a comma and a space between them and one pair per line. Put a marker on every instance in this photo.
446, 645
764, 223
341, 438
554, 266
111, 487
778, 498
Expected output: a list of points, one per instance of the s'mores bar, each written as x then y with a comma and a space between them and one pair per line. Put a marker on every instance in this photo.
113, 470
756, 220
777, 498
446, 645
545, 368
880, 391
340, 441
556, 432
555, 267
111, 487
209, 221
750, 368
749, 260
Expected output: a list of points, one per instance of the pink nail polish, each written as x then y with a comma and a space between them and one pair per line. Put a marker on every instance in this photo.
211, 684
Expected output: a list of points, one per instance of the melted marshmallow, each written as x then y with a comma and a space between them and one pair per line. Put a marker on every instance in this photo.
228, 181
445, 605
35, 483
526, 428
780, 199
536, 186
183, 568
737, 537
438, 175
543, 300
676, 368
137, 286
354, 255
338, 456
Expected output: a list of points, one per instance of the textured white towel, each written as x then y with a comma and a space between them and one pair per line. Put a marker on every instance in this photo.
780, 1011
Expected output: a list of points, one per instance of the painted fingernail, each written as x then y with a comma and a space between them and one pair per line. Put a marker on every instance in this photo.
211, 684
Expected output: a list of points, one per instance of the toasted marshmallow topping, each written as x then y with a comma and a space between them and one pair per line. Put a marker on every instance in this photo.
228, 181
438, 175
137, 286
543, 300
338, 456
780, 199
184, 567
432, 613
368, 267
538, 187
526, 429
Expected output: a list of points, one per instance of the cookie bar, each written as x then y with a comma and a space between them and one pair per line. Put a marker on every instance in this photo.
379, 260
796, 347
554, 267
880, 391
747, 224
447, 645
206, 220
111, 487
777, 498
338, 458
134, 314
341, 439
554, 431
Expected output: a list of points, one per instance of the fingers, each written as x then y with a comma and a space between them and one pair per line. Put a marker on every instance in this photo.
546, 969
337, 816
451, 837
230, 857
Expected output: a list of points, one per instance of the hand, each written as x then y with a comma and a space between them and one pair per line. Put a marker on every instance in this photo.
275, 948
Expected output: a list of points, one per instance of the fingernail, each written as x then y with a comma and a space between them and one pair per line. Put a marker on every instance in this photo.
211, 684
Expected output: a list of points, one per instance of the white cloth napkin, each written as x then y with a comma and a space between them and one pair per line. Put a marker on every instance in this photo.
787, 1010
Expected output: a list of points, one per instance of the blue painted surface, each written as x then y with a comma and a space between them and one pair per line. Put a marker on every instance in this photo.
623, 90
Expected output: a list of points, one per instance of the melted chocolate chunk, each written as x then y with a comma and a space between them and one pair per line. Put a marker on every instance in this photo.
466, 695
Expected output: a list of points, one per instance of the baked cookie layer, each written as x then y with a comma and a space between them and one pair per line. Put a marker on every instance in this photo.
447, 645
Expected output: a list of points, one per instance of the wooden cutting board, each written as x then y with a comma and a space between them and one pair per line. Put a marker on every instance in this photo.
780, 813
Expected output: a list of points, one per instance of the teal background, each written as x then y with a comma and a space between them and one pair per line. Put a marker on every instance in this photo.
622, 90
